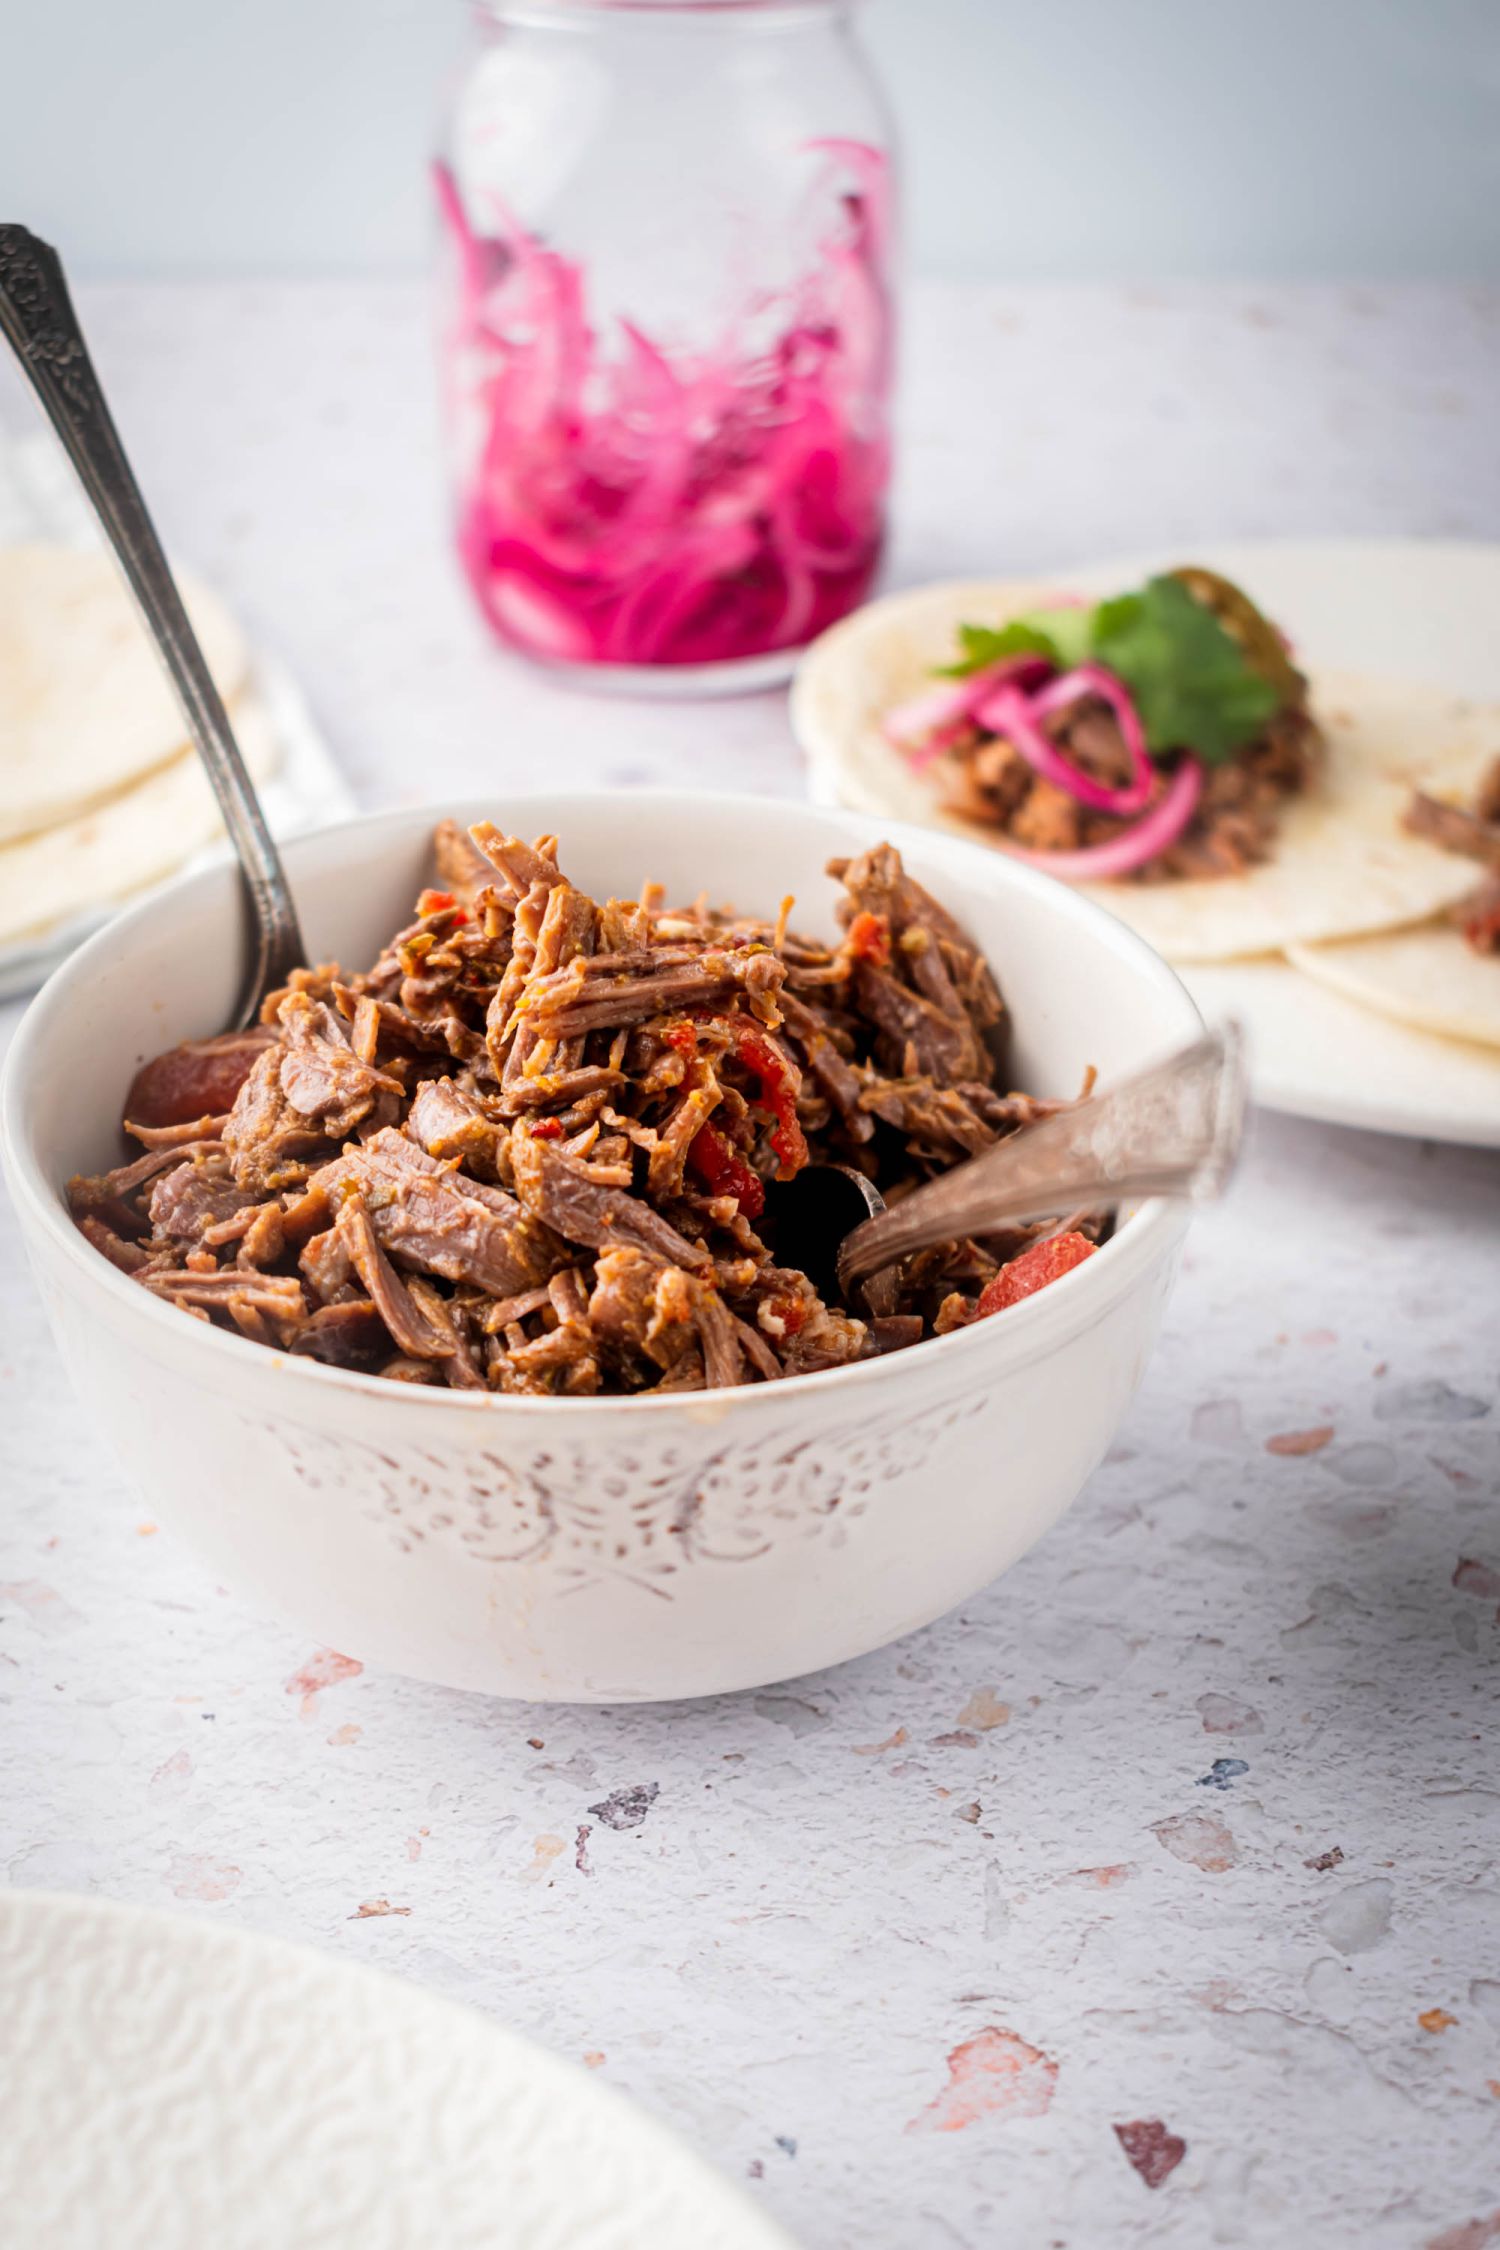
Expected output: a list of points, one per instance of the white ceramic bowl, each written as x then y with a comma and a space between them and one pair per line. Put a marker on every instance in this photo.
597, 1550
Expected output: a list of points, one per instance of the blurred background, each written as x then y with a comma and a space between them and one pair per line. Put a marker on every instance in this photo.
1289, 139
1181, 273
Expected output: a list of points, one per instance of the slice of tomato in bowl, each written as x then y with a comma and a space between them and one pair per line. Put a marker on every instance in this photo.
1022, 1277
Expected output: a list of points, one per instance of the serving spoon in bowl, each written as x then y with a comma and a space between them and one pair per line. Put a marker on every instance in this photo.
1171, 1129
38, 321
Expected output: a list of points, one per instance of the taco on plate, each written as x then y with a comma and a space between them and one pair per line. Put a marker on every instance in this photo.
1443, 975
1160, 748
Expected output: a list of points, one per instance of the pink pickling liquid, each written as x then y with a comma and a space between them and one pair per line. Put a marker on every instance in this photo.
623, 506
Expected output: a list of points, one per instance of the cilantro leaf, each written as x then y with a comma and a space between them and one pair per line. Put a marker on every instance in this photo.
986, 644
1060, 635
1193, 685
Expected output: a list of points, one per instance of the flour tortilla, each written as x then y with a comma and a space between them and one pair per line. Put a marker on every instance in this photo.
85, 709
139, 837
1426, 977
1343, 865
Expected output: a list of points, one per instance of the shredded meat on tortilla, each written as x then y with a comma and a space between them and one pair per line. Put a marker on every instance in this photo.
530, 1149
1475, 834
1234, 825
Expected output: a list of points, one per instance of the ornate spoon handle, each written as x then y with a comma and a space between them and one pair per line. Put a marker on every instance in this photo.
38, 321
1172, 1130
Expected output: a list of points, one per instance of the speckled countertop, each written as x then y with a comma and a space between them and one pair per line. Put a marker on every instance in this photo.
1155, 1897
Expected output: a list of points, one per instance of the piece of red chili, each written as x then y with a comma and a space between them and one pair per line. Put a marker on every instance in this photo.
869, 939
724, 1173
778, 1094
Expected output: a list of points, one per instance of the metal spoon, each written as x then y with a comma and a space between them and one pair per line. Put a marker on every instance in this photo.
39, 323
1173, 1129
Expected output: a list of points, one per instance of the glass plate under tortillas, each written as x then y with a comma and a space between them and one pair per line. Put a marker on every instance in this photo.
301, 786
305, 790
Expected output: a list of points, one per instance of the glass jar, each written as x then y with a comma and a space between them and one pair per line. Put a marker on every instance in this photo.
666, 332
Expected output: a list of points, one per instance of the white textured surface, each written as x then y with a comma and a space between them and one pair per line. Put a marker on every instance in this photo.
775, 1918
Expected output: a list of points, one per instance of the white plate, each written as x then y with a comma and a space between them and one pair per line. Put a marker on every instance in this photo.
1315, 1054
172, 2083
1426, 609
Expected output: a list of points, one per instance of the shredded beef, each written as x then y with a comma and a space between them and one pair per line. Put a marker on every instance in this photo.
915, 1035
120, 1250
1454, 829
319, 1073
560, 1192
1487, 795
270, 1142
433, 1218
1479, 917
1474, 833
533, 1148
447, 1120
462, 868
347, 1335
185, 1202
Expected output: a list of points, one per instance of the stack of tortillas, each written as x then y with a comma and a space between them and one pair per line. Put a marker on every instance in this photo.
101, 792
1349, 896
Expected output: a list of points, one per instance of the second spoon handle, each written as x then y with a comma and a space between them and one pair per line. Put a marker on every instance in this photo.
1171, 1130
38, 320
